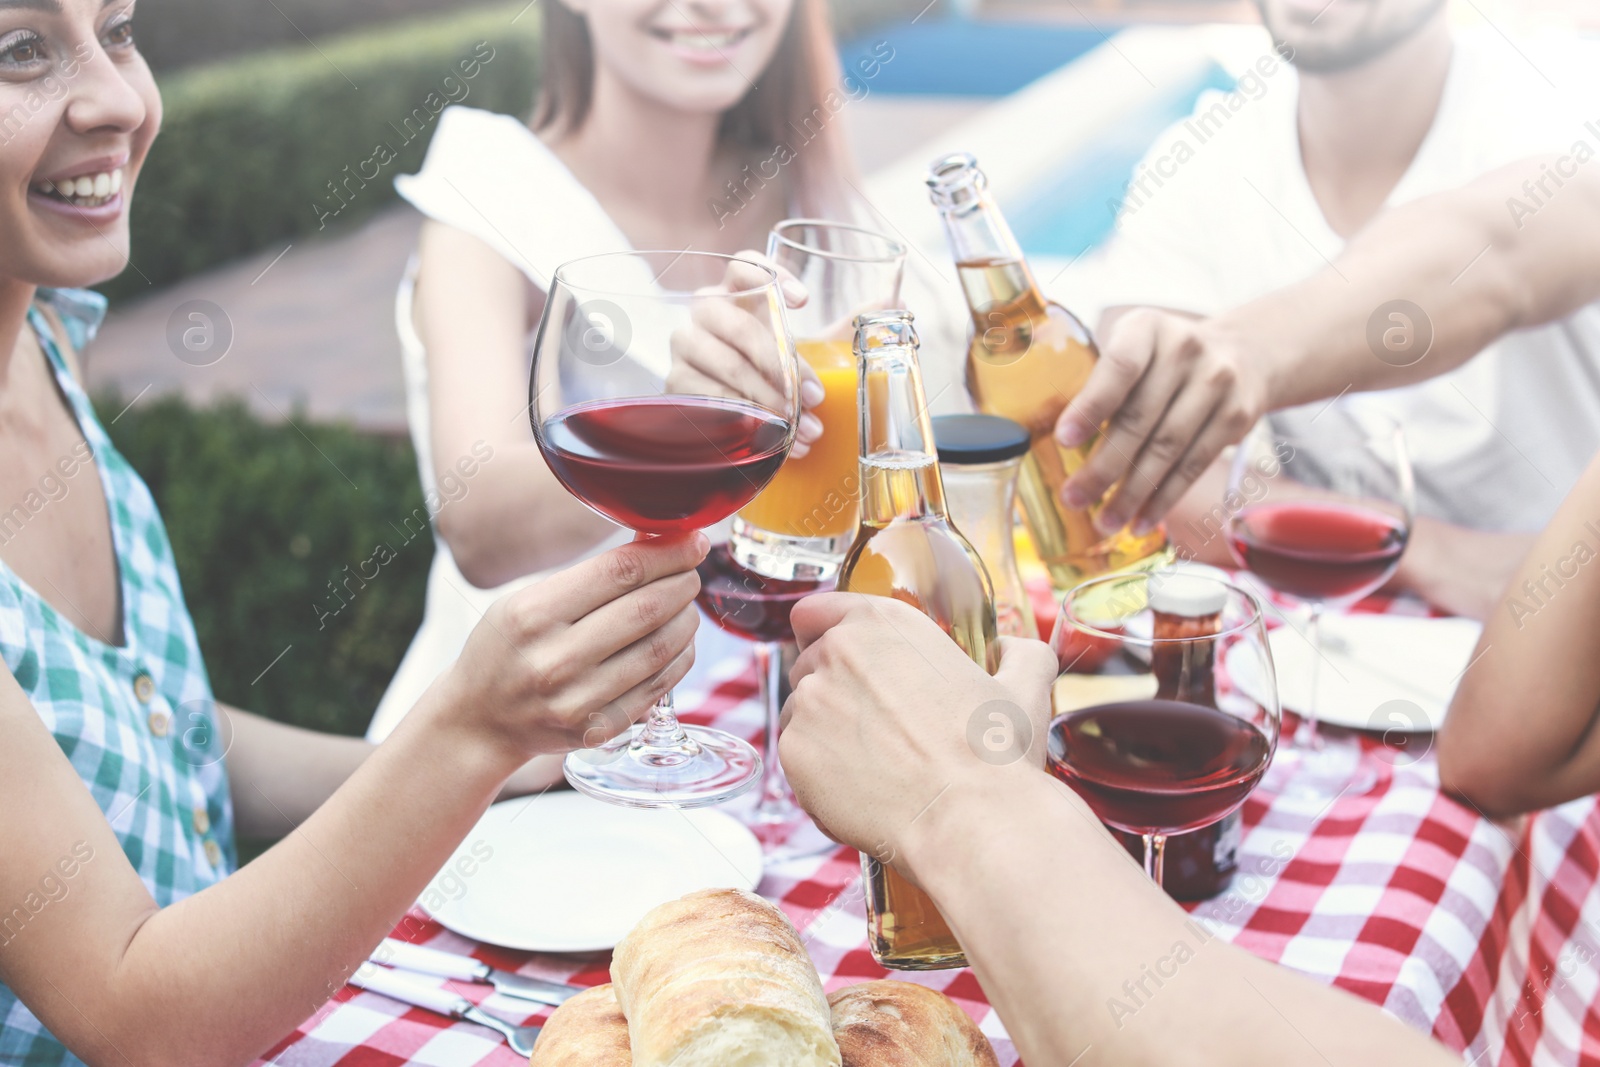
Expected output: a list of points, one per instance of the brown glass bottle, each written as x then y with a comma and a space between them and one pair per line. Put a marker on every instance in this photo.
1028, 359
907, 548
1199, 864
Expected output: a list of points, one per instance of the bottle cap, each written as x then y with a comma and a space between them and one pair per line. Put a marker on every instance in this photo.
1192, 590
973, 439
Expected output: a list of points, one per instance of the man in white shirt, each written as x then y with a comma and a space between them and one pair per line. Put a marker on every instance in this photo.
1262, 188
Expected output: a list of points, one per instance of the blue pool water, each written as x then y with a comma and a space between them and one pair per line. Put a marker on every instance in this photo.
963, 57
1075, 210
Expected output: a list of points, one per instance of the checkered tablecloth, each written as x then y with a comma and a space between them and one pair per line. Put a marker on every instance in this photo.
1485, 934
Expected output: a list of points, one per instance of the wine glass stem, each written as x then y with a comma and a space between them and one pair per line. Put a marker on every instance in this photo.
1155, 856
1307, 736
662, 731
775, 795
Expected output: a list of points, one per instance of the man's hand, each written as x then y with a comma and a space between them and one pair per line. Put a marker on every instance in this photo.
888, 714
1170, 393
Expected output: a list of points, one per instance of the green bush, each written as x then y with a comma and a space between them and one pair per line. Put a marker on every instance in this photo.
182, 33
253, 149
265, 522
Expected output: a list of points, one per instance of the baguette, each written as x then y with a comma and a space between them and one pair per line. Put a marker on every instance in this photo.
587, 1031
899, 1024
720, 979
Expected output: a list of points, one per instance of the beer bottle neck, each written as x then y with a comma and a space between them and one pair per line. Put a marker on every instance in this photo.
899, 460
978, 232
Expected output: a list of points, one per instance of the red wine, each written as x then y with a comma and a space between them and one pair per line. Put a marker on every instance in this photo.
667, 464
747, 604
1318, 551
1158, 766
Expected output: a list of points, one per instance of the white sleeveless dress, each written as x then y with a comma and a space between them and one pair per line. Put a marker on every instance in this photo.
488, 175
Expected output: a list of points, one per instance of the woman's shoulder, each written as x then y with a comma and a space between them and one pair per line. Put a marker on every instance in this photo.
491, 176
479, 147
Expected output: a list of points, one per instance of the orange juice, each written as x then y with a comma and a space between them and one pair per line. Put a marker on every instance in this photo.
817, 495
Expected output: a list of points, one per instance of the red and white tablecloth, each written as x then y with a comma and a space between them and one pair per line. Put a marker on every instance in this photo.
1484, 934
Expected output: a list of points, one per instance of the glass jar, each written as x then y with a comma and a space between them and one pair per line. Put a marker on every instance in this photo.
980, 457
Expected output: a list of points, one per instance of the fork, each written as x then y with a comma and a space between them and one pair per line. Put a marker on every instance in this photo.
409, 990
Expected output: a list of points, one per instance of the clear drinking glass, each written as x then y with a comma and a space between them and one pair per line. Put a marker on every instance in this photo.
1325, 521
1161, 734
691, 390
800, 526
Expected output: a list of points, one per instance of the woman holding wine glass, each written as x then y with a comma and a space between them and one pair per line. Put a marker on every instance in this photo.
130, 934
659, 125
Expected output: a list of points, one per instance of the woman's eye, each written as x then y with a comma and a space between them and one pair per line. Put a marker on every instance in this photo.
120, 35
21, 50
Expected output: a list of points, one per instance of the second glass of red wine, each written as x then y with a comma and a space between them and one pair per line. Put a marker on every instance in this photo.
1323, 520
1166, 706
756, 608
664, 395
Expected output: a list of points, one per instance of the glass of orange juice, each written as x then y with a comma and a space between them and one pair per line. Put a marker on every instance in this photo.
804, 520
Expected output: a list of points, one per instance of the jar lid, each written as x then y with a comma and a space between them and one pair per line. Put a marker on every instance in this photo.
1192, 590
978, 439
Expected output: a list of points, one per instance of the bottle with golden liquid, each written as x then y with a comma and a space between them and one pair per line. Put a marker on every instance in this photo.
906, 548
1028, 359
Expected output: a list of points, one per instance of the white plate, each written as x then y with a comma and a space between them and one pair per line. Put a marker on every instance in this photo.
1393, 673
564, 873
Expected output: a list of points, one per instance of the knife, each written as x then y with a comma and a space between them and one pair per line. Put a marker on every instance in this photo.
464, 968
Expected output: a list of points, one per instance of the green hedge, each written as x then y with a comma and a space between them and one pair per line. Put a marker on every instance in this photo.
250, 146
183, 33
262, 520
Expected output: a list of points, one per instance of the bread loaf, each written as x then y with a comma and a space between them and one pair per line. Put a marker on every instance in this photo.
720, 979
898, 1024
586, 1031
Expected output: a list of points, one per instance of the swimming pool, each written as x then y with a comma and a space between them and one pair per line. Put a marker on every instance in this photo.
1071, 210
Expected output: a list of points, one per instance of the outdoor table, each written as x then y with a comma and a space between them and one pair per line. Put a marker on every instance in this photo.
1484, 934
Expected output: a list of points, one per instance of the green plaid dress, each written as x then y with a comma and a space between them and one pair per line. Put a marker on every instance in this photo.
137, 721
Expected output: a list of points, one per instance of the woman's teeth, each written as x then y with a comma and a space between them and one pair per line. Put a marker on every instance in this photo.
709, 42
90, 190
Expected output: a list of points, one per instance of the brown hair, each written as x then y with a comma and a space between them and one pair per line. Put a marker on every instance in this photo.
791, 104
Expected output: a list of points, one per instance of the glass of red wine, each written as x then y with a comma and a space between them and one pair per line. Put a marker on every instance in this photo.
664, 395
1162, 731
1323, 520
756, 608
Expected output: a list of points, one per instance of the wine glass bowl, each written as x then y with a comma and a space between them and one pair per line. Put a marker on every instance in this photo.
757, 608
664, 395
1324, 520
1161, 731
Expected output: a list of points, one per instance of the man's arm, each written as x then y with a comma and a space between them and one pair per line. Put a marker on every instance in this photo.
1521, 733
1171, 392
1057, 921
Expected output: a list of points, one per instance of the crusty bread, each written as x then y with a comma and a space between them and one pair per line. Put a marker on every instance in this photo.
586, 1031
720, 979
899, 1024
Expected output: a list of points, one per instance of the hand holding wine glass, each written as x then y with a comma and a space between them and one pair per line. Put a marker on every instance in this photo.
664, 453
573, 660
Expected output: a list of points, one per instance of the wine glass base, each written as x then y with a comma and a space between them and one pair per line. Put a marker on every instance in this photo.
711, 768
1336, 768
785, 831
